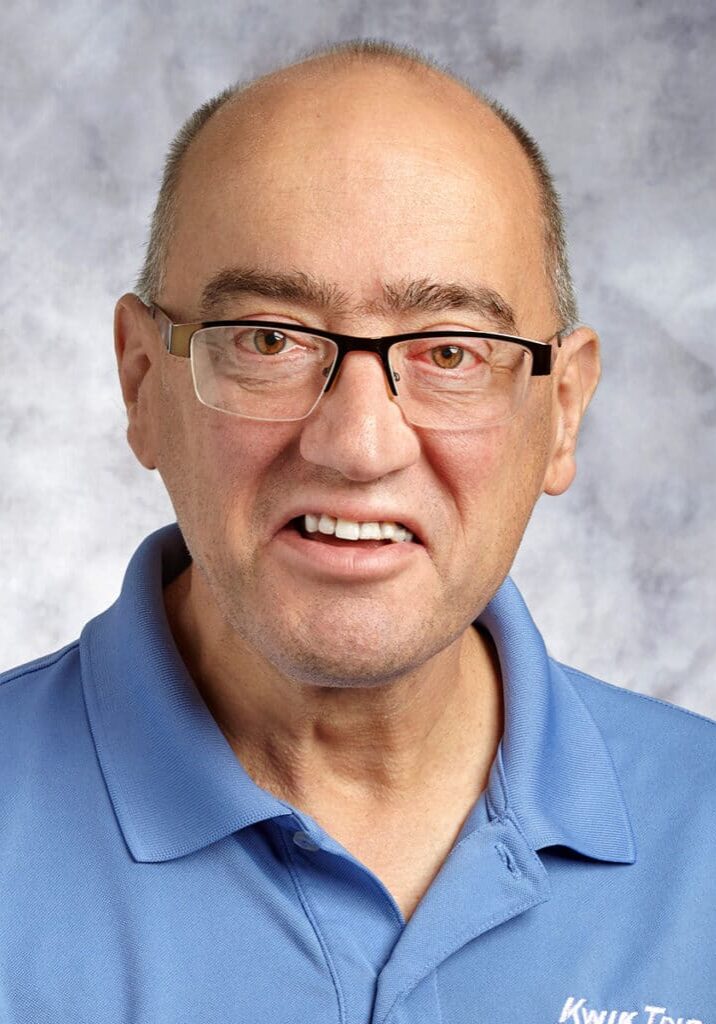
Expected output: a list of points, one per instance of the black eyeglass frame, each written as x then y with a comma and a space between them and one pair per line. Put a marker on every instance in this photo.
177, 340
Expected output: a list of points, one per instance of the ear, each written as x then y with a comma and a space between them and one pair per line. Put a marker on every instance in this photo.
137, 348
576, 374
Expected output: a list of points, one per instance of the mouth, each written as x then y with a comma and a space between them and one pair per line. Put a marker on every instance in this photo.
312, 555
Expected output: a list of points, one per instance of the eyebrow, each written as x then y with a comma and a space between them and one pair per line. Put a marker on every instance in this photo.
403, 296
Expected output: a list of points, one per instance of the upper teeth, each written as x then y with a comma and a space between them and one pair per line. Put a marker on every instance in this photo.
347, 529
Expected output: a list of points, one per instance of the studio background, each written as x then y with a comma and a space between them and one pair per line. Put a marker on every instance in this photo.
619, 572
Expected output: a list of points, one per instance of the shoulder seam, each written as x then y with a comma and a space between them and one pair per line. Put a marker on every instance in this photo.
38, 665
636, 693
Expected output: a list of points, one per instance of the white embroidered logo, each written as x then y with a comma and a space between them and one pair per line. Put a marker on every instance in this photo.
576, 1011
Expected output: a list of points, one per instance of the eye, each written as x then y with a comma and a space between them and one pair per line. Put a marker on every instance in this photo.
452, 354
274, 343
267, 341
263, 341
448, 357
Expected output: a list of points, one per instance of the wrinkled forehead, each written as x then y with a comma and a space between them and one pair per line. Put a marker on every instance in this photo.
396, 169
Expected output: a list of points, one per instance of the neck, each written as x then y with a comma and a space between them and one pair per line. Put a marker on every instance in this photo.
430, 732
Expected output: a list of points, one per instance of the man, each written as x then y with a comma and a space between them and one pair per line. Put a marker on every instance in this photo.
315, 764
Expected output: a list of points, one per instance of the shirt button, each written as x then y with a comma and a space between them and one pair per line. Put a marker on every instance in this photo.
305, 841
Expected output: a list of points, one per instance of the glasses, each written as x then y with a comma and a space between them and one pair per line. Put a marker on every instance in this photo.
272, 371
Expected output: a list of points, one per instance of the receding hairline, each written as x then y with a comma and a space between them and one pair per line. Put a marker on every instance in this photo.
352, 54
330, 62
297, 75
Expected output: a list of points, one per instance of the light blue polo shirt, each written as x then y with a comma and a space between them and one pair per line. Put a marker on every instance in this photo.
146, 879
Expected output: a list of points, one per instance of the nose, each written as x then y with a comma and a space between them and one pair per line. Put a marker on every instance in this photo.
358, 428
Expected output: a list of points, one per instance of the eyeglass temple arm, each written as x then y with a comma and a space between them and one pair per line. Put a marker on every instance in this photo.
164, 325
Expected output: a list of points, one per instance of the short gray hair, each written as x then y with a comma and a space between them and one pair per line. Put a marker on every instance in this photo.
150, 281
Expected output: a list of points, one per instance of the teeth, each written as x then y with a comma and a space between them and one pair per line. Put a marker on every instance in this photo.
369, 531
346, 529
326, 524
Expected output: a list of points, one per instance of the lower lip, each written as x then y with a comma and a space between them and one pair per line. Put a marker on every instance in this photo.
344, 562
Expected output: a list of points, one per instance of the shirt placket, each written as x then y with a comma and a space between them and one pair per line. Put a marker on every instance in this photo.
491, 876
385, 969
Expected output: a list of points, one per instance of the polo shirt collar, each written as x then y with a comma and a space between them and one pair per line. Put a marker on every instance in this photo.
553, 772
177, 786
173, 779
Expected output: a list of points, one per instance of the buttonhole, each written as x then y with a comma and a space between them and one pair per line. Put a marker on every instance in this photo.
507, 859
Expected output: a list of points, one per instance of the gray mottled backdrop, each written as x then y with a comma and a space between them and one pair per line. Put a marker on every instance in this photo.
619, 572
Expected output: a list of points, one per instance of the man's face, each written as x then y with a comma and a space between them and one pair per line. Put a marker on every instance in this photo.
362, 178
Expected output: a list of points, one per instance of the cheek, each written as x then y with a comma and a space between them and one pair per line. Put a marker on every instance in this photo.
244, 472
234, 457
211, 463
495, 476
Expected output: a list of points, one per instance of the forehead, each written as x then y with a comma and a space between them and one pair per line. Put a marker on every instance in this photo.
358, 173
